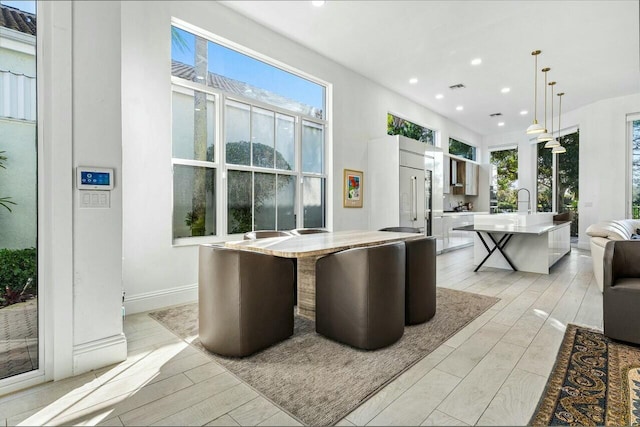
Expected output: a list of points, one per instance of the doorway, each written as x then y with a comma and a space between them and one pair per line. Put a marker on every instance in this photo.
19, 334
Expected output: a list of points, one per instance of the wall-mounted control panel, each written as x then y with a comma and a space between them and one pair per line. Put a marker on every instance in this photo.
90, 178
94, 185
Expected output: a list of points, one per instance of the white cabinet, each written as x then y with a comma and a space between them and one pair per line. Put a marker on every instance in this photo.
455, 239
404, 182
446, 166
471, 179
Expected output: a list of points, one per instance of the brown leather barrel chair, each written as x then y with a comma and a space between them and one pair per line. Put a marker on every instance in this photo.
401, 229
621, 291
301, 231
420, 285
360, 296
265, 234
245, 300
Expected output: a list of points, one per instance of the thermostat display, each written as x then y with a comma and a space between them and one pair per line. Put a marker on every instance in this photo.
95, 178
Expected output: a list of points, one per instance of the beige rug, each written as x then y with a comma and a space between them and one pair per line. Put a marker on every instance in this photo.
319, 381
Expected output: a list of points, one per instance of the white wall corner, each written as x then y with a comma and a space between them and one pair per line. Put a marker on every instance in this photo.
153, 300
99, 353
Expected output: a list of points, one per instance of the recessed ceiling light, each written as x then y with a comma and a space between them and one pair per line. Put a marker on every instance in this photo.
199, 77
524, 112
413, 80
500, 123
459, 108
476, 61
505, 90
439, 96
318, 3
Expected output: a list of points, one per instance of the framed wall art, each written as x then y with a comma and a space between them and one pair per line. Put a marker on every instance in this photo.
352, 188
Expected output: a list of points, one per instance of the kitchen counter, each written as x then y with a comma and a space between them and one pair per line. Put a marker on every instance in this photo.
448, 213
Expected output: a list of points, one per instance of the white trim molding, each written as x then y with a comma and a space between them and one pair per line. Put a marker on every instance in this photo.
157, 299
99, 353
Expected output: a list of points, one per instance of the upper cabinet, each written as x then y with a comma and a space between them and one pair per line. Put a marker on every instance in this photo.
464, 177
471, 179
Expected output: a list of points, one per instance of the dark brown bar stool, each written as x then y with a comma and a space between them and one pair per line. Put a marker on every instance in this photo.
265, 234
301, 231
401, 229
360, 296
245, 300
420, 284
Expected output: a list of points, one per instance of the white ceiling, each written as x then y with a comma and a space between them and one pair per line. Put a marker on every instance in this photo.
592, 48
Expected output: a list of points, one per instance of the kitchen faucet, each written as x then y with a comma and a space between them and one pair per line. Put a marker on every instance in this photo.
528, 199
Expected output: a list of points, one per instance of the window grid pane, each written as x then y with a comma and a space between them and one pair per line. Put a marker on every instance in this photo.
238, 133
239, 206
193, 131
194, 201
312, 147
504, 166
459, 148
635, 169
313, 202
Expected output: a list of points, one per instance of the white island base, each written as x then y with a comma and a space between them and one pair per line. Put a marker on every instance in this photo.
531, 242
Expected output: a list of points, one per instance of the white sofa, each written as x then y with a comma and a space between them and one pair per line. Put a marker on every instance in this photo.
603, 232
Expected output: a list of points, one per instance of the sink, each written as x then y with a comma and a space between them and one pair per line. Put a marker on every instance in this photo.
515, 219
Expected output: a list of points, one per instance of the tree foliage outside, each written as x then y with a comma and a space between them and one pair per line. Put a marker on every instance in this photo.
635, 178
398, 126
461, 149
505, 163
18, 275
567, 178
5, 201
240, 183
544, 178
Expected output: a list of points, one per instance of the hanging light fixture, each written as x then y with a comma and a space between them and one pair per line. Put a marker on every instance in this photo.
552, 143
545, 135
535, 126
559, 149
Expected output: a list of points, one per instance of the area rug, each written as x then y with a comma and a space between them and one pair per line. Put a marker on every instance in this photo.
319, 381
596, 381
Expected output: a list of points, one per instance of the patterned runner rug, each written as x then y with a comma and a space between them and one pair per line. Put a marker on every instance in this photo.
319, 381
596, 381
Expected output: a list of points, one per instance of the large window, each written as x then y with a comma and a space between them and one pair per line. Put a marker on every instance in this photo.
557, 178
400, 126
504, 180
634, 139
459, 148
248, 142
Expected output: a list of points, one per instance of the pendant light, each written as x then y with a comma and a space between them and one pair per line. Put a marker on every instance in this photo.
535, 127
559, 149
552, 143
545, 136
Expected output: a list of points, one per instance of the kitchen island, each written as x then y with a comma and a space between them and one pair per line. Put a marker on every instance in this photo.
521, 242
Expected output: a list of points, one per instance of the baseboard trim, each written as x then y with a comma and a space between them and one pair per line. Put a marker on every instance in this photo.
157, 299
99, 353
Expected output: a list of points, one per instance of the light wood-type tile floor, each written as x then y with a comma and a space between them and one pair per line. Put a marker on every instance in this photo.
492, 372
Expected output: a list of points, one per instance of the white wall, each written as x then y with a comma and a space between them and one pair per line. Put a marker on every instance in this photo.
154, 272
97, 142
603, 159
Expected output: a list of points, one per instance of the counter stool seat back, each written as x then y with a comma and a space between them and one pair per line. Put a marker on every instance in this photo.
360, 296
245, 300
420, 286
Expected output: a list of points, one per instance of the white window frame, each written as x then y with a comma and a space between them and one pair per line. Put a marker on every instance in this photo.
220, 163
491, 150
478, 153
629, 163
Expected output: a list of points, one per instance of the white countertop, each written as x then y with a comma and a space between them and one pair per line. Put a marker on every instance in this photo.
464, 213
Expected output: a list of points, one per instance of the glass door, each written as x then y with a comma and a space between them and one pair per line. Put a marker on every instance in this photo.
18, 190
